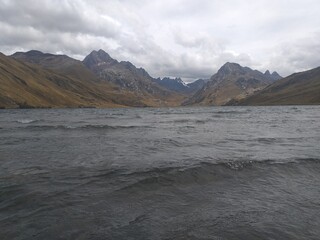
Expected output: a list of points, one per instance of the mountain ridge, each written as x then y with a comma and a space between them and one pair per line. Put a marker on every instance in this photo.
37, 79
296, 89
179, 86
232, 81
27, 85
69, 68
124, 74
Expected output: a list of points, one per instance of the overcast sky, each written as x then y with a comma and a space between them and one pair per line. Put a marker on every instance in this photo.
184, 38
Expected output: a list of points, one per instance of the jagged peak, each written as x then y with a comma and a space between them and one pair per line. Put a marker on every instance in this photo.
275, 74
176, 80
98, 57
267, 72
102, 51
101, 54
230, 67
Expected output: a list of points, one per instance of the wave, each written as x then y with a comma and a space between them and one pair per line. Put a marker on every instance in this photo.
181, 121
191, 121
232, 112
204, 172
26, 121
120, 116
83, 127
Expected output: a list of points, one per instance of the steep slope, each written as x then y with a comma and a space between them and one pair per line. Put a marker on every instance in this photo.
128, 77
297, 89
232, 81
29, 85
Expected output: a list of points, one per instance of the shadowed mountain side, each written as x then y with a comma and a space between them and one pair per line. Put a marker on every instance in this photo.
177, 85
232, 81
198, 84
128, 77
297, 89
25, 85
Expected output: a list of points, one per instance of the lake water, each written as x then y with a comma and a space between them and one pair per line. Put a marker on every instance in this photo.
169, 173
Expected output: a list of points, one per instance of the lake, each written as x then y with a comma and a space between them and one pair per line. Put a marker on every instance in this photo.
165, 173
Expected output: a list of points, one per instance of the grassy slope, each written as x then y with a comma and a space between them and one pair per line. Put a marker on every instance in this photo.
28, 85
298, 89
66, 66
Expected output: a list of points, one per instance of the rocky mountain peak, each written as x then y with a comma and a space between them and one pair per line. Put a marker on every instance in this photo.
230, 68
275, 74
97, 58
174, 84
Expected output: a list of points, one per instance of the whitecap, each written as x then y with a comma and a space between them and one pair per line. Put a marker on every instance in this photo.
25, 121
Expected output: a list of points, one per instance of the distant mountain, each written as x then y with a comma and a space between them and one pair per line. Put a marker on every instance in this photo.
90, 73
197, 85
297, 89
46, 60
273, 76
25, 85
178, 85
35, 79
232, 81
62, 64
128, 77
173, 84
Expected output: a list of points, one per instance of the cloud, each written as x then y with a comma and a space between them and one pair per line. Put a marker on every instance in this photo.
185, 38
59, 16
298, 55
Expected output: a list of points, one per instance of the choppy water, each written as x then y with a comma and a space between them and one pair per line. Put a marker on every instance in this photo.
179, 173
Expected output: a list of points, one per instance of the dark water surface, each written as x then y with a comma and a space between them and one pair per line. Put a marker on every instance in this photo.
177, 173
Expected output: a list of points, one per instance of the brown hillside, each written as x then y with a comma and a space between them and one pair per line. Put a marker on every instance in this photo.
298, 89
29, 85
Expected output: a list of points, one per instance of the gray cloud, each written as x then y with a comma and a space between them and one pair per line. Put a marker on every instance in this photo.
185, 38
58, 16
298, 55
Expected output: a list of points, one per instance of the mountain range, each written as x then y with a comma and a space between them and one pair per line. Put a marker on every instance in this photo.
121, 83
298, 89
28, 85
34, 80
123, 74
232, 81
177, 85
